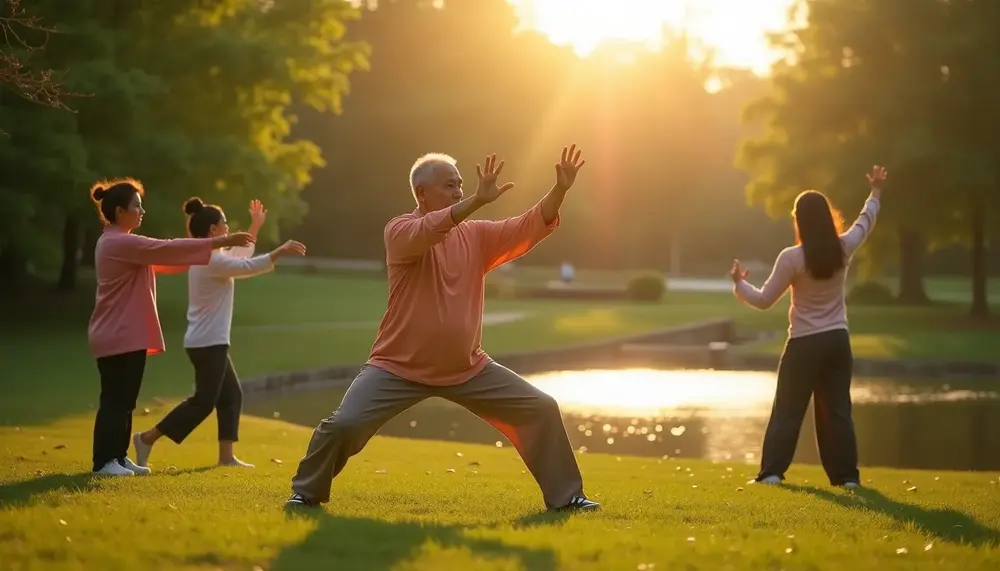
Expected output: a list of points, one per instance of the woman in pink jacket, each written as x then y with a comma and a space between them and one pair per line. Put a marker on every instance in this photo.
124, 327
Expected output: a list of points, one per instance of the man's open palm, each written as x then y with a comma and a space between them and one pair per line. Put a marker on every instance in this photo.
488, 191
568, 167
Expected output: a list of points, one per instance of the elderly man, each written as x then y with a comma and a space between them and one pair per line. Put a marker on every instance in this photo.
429, 341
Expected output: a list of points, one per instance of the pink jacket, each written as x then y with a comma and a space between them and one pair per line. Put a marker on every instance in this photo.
125, 317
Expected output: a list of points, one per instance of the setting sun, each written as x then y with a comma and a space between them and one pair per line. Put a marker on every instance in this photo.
735, 29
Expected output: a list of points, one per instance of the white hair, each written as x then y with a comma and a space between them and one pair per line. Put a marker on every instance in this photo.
424, 167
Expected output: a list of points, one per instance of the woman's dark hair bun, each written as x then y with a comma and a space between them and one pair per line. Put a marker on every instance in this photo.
193, 205
99, 192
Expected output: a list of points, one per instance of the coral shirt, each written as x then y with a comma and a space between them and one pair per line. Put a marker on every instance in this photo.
433, 327
125, 317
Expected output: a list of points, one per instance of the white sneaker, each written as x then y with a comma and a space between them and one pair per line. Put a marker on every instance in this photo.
142, 450
851, 485
137, 470
113, 468
770, 480
236, 463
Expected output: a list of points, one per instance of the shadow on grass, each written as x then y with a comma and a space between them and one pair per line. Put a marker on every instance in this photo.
944, 524
369, 544
22, 493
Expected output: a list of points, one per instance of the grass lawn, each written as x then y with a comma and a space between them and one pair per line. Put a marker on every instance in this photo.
287, 322
398, 506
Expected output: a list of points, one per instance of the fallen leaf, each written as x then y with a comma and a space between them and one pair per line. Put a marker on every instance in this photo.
739, 489
381, 471
450, 470
146, 411
63, 522
276, 461
59, 447
911, 489
691, 540
276, 414
171, 468
474, 464
928, 547
788, 550
902, 551
172, 506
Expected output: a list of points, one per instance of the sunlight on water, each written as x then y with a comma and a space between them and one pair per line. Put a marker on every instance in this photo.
652, 393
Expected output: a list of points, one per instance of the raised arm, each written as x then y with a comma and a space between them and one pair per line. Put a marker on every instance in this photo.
143, 250
410, 236
170, 256
774, 288
258, 215
502, 241
856, 235
229, 266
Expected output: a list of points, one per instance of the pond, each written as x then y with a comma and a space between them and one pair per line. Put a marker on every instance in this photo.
714, 415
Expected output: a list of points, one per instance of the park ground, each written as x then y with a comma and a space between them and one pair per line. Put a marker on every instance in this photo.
421, 505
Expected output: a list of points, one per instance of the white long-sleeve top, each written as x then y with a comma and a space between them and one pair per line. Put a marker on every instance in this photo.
817, 305
211, 291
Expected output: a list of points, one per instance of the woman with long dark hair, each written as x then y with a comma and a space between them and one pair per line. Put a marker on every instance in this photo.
817, 361
124, 326
210, 315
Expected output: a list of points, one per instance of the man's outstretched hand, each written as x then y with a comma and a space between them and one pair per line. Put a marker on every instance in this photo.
568, 167
488, 191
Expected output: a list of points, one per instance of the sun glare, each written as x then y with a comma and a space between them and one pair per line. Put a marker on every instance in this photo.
735, 30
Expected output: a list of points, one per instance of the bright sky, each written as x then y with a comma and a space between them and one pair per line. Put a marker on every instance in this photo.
734, 28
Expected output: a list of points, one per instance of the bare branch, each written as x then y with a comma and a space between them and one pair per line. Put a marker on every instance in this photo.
43, 86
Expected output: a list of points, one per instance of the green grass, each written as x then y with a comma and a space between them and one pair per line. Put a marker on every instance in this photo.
48, 348
397, 506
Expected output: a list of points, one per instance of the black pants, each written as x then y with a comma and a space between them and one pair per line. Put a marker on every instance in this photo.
818, 366
217, 387
121, 378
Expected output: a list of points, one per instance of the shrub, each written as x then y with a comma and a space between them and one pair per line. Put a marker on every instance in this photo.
646, 287
871, 293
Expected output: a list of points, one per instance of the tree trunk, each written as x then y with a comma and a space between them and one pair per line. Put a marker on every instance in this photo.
911, 267
70, 248
980, 302
90, 235
13, 270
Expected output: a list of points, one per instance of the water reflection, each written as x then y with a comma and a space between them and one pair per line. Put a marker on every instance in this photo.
716, 415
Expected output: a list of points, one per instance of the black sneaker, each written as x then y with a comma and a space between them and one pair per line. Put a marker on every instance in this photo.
581, 503
300, 501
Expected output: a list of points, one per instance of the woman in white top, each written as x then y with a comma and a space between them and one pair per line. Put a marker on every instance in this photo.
210, 315
817, 361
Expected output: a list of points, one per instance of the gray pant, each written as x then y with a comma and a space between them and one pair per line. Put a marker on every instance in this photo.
528, 417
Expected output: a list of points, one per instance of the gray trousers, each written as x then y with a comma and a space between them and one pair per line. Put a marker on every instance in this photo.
528, 417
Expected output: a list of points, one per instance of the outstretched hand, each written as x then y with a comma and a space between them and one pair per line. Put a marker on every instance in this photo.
292, 248
568, 167
488, 191
877, 177
738, 273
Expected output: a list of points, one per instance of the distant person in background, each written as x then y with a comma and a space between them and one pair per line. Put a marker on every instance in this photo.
567, 272
211, 290
124, 326
429, 341
817, 360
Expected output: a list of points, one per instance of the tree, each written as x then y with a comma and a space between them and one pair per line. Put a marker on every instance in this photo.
874, 82
190, 97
